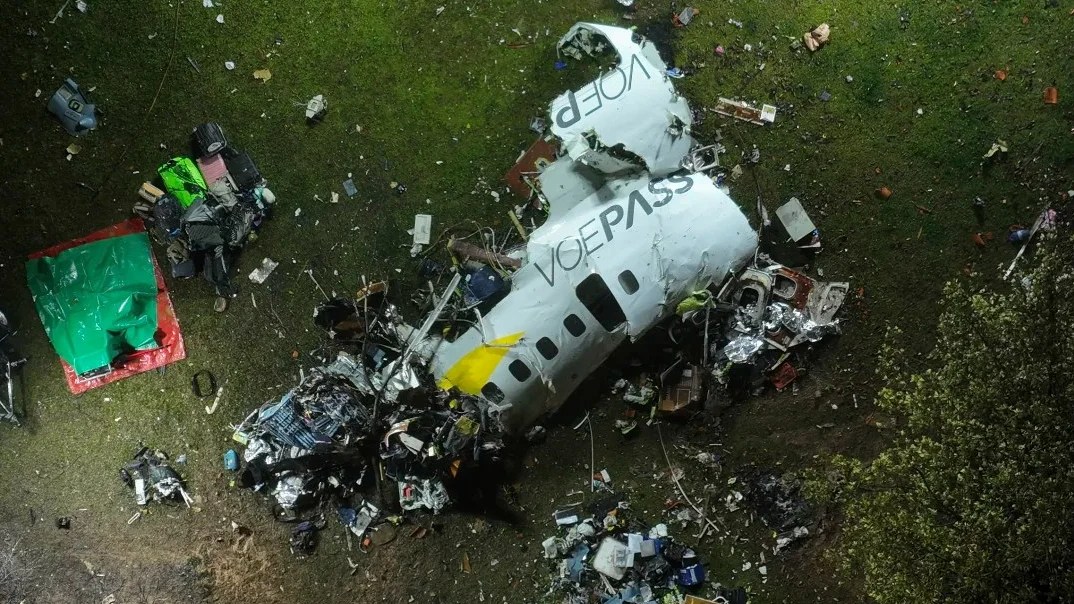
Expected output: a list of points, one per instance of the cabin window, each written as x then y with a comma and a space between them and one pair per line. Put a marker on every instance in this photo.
594, 294
547, 348
574, 325
629, 282
519, 370
493, 393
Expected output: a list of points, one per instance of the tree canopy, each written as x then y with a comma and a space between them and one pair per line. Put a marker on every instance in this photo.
974, 499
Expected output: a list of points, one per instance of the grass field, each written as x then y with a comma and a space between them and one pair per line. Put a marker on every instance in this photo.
442, 104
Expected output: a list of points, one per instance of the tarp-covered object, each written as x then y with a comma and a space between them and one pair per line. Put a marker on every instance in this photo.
97, 300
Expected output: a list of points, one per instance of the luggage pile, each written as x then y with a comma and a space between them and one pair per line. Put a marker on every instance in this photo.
206, 209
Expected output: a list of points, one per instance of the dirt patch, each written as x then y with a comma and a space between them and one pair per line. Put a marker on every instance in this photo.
42, 564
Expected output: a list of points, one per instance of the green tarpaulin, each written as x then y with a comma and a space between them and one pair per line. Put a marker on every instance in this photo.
97, 300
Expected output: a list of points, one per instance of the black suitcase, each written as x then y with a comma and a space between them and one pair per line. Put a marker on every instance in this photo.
210, 139
242, 170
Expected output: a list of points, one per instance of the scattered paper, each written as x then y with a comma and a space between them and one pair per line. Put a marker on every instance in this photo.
263, 74
220, 19
81, 6
207, 3
335, 197
229, 65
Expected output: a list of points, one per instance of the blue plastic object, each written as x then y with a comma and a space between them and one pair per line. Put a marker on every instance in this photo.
1018, 236
231, 460
69, 105
692, 575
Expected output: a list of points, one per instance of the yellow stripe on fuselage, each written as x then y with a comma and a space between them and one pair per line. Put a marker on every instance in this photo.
471, 372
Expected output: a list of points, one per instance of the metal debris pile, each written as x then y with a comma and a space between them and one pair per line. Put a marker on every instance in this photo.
152, 477
771, 311
366, 434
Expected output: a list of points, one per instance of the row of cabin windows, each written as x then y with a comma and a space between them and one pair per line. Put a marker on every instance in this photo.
594, 294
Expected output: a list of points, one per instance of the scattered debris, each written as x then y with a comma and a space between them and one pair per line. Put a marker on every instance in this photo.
685, 16
813, 40
1045, 222
795, 220
1001, 75
153, 479
262, 74
740, 110
220, 19
884, 192
229, 65
70, 106
423, 227
259, 274
1051, 95
1000, 146
59, 13
349, 188
231, 460
316, 109
633, 561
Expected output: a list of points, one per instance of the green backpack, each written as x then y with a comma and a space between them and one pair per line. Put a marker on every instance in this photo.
183, 179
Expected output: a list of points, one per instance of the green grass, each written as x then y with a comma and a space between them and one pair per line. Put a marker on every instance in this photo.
427, 89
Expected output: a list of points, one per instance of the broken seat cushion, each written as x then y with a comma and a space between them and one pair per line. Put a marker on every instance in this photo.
97, 300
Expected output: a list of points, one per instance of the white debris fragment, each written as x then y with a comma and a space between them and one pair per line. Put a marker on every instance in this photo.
439, 10
220, 19
207, 3
81, 6
335, 197
229, 65
297, 212
423, 229
850, 79
768, 113
259, 274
